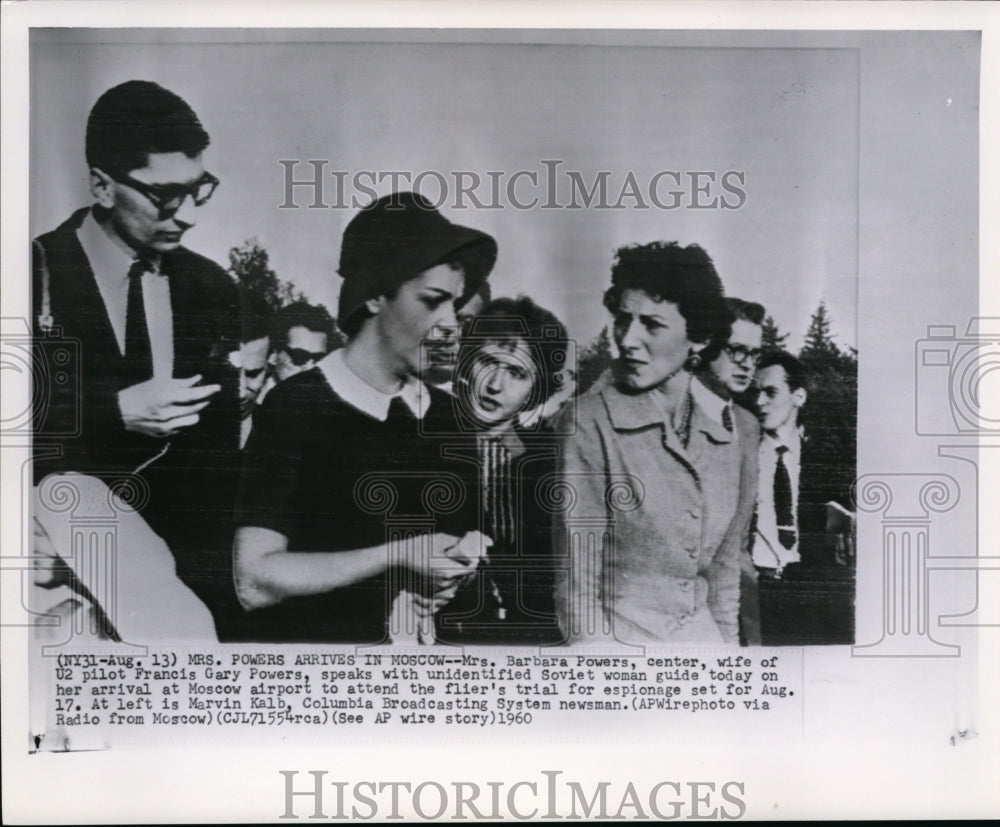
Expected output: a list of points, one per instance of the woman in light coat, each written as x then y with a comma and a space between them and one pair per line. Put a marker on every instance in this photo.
657, 484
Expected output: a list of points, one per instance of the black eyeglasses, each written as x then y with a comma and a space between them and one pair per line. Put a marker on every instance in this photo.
301, 357
167, 198
742, 353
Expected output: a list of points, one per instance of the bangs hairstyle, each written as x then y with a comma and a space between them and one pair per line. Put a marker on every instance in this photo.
463, 260
508, 321
135, 119
684, 276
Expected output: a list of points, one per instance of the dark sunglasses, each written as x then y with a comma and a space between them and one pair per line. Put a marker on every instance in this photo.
741, 353
167, 198
301, 357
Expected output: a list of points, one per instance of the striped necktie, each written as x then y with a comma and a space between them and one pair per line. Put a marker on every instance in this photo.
497, 492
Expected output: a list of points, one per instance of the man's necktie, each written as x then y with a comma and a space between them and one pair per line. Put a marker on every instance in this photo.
138, 352
783, 500
727, 418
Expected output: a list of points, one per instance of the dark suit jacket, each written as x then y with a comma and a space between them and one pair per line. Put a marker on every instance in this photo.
78, 426
813, 602
509, 600
824, 476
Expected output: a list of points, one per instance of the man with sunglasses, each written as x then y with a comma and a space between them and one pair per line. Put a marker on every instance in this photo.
151, 392
301, 335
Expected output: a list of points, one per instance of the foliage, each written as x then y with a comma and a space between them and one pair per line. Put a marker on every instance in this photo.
830, 415
772, 338
250, 265
594, 360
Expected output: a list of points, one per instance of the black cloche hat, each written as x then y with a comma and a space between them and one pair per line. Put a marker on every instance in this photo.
398, 237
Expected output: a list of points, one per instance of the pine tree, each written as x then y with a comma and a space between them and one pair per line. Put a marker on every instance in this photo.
772, 338
819, 343
830, 412
595, 358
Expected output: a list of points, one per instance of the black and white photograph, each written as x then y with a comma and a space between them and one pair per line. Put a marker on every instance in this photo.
559, 422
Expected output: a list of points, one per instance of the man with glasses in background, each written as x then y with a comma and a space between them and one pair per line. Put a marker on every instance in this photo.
735, 366
153, 393
730, 376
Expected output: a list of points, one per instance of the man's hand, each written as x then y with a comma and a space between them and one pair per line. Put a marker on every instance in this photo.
840, 530
162, 407
49, 570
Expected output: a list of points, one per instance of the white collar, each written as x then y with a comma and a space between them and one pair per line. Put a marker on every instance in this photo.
710, 402
356, 391
109, 260
792, 439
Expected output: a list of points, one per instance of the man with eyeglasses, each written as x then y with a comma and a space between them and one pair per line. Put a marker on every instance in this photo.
152, 392
736, 364
729, 377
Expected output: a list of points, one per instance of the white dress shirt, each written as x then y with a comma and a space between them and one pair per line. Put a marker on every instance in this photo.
110, 262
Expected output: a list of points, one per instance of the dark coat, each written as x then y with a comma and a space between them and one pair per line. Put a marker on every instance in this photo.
78, 426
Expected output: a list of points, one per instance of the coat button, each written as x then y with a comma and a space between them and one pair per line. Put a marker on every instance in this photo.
686, 586
694, 515
692, 551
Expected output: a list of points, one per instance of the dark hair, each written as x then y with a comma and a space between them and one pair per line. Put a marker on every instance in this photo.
255, 316
684, 276
795, 374
505, 321
458, 260
300, 314
352, 324
484, 291
137, 118
747, 311
397, 238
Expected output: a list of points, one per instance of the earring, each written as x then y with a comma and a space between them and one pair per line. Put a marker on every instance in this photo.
693, 362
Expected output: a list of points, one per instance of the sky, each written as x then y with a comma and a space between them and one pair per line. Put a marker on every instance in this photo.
779, 125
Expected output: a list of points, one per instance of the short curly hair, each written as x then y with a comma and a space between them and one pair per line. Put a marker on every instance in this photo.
684, 276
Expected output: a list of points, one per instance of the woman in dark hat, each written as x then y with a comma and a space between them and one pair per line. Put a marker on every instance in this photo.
658, 490
346, 500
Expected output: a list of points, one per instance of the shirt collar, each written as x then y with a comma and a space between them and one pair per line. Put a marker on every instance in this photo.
109, 259
710, 402
356, 391
629, 412
792, 443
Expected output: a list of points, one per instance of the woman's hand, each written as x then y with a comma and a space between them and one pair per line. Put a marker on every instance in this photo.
446, 560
